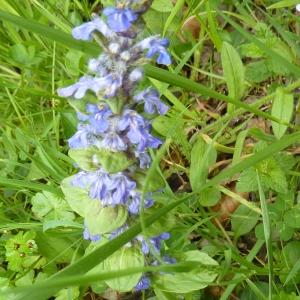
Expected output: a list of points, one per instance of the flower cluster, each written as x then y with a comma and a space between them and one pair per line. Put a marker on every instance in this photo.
114, 132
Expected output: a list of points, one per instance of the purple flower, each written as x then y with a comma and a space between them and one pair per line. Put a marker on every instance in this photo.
143, 284
119, 19
156, 240
151, 98
82, 179
83, 137
113, 142
134, 205
168, 260
110, 83
118, 231
93, 238
85, 83
84, 31
145, 159
122, 186
100, 182
97, 120
156, 45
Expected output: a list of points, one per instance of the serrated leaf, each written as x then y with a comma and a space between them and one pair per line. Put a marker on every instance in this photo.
247, 181
100, 220
17, 249
282, 108
284, 161
243, 220
251, 50
234, 73
51, 207
191, 281
257, 71
124, 258
77, 198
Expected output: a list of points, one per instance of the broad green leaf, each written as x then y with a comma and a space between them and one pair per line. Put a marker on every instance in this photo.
114, 162
64, 294
285, 231
163, 224
60, 250
77, 198
243, 220
156, 182
257, 71
282, 108
25, 280
284, 201
210, 196
162, 5
191, 281
283, 295
100, 220
51, 207
124, 258
292, 217
234, 73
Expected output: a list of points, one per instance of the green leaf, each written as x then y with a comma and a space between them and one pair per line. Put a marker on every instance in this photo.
72, 60
210, 196
191, 281
21, 55
249, 294
285, 232
198, 170
282, 108
77, 198
51, 207
257, 71
234, 73
156, 182
163, 224
101, 219
292, 217
284, 201
64, 294
17, 249
272, 177
290, 255
284, 161
243, 220
162, 5
124, 258
60, 250
114, 162
25, 280
283, 295
251, 50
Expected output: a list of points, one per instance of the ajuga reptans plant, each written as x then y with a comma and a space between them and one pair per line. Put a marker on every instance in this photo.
111, 144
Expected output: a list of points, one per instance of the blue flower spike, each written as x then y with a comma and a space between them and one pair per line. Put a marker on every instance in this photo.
114, 127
